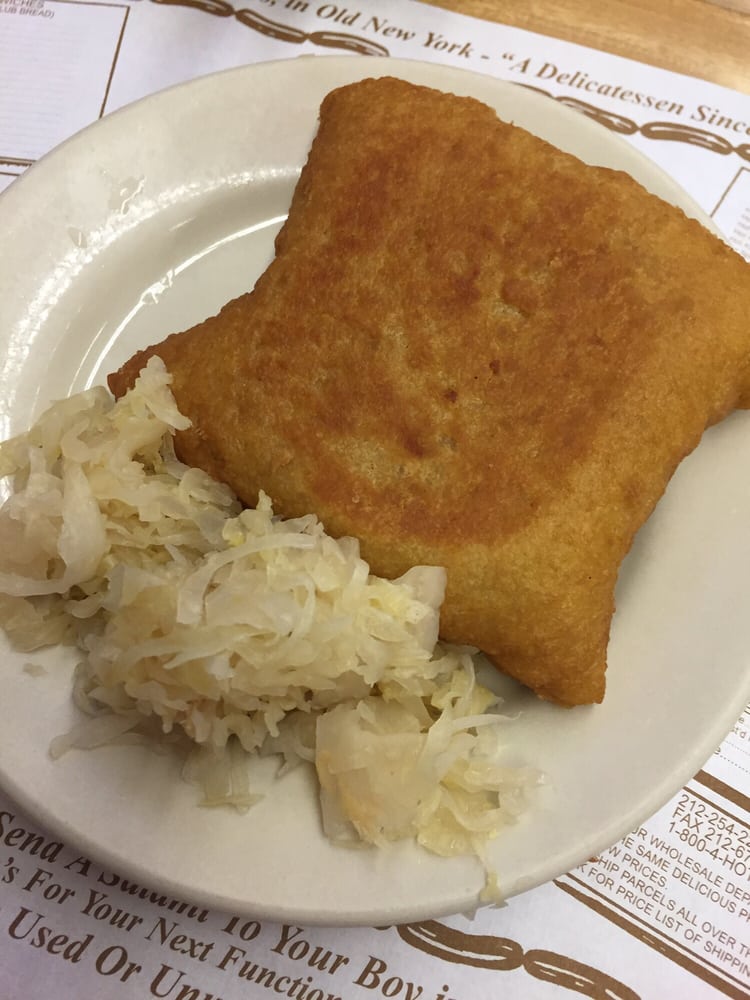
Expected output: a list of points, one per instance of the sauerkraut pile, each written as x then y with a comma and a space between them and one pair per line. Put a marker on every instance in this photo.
240, 633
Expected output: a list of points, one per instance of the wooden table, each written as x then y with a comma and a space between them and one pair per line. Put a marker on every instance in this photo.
704, 38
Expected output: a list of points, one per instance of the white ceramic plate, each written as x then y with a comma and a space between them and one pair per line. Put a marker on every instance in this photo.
148, 222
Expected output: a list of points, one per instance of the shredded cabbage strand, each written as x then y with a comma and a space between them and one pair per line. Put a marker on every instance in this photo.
246, 633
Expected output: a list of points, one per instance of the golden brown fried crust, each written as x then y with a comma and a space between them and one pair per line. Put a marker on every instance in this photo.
473, 351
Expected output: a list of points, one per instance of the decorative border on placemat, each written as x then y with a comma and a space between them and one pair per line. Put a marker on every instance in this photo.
659, 131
